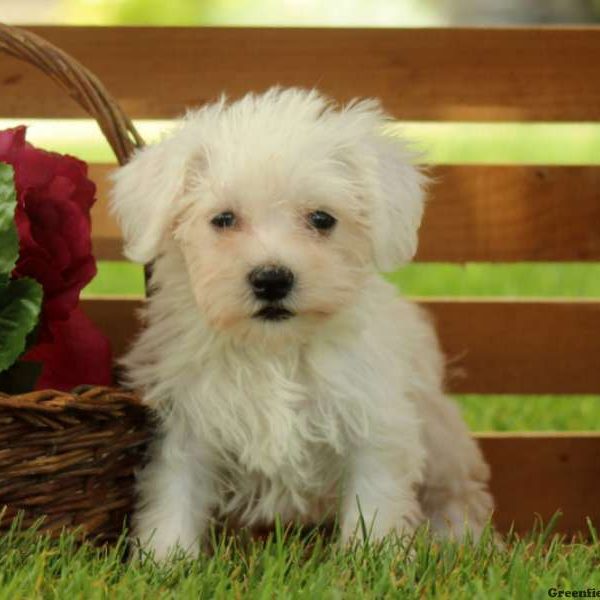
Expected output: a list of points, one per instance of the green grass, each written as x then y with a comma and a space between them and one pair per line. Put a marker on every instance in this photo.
530, 413
116, 279
549, 280
506, 143
292, 565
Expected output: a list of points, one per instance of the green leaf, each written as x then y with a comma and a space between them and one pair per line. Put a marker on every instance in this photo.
9, 239
20, 303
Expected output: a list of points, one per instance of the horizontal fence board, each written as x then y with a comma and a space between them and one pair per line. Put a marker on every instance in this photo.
475, 213
540, 474
527, 347
544, 74
503, 347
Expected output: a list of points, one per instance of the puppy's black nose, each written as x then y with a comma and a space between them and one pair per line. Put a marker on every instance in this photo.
271, 282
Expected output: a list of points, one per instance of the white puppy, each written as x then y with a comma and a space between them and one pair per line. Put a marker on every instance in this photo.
288, 377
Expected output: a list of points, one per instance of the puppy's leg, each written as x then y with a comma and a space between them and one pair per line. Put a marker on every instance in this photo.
455, 496
176, 495
381, 493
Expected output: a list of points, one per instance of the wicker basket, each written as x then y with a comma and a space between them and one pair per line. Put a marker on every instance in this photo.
70, 457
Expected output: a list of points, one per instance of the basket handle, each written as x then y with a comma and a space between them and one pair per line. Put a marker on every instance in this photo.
80, 83
83, 86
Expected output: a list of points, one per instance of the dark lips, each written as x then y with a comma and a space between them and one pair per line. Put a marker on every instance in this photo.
273, 313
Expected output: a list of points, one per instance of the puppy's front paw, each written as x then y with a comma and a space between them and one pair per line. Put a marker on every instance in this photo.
163, 541
373, 523
175, 497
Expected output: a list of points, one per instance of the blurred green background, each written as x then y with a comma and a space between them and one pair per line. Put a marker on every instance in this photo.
441, 143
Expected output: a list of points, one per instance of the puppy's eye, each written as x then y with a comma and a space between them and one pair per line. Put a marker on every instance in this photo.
224, 220
321, 220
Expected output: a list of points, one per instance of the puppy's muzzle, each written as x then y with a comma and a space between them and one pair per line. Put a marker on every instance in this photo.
271, 283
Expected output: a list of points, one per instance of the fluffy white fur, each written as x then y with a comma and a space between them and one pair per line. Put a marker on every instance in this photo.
339, 406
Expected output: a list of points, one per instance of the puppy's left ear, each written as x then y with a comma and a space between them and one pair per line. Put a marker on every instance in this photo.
399, 190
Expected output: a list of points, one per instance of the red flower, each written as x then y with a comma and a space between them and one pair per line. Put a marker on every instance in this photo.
77, 354
54, 197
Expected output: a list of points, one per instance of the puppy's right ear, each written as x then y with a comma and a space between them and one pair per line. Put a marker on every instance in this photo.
145, 198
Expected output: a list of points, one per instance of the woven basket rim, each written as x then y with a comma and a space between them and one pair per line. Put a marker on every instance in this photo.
99, 398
